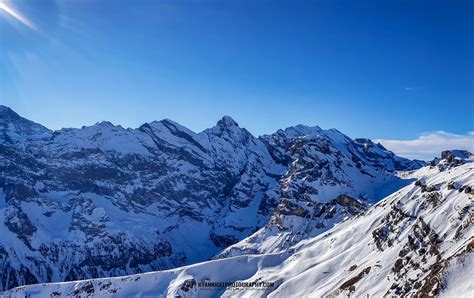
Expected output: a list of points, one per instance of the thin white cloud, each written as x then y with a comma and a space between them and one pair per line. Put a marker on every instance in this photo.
413, 88
429, 145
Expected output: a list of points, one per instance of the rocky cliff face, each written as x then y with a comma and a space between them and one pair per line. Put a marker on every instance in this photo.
329, 178
106, 201
418, 241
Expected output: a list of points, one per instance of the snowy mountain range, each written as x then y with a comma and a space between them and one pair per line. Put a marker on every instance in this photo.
417, 241
294, 208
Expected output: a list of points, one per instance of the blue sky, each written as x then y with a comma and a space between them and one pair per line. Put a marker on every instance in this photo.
389, 70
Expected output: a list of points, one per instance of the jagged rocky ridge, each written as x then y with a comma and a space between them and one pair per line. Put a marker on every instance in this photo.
108, 201
418, 241
329, 178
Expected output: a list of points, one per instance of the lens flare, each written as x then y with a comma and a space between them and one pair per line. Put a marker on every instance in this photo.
16, 15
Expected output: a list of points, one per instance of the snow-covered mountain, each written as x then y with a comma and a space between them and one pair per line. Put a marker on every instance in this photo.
329, 178
417, 241
106, 201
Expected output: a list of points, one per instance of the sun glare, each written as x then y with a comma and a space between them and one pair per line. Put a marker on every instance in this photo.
16, 15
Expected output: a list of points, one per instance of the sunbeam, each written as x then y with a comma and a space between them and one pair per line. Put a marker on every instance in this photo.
16, 15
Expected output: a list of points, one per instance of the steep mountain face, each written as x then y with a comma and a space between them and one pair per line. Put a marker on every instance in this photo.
417, 241
106, 201
16, 128
329, 178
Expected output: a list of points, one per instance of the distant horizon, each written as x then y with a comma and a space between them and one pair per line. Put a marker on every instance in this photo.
395, 71
404, 148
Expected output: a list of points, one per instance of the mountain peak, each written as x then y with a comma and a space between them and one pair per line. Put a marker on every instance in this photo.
227, 121
455, 153
3, 108
7, 112
104, 124
14, 127
301, 130
452, 158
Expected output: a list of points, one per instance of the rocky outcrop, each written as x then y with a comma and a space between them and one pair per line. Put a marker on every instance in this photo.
452, 158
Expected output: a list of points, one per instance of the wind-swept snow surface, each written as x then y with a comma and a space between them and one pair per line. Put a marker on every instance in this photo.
419, 240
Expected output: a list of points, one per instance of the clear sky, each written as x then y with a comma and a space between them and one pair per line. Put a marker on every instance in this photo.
397, 70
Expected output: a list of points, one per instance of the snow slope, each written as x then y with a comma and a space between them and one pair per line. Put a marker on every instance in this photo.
419, 240
104, 200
